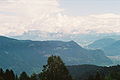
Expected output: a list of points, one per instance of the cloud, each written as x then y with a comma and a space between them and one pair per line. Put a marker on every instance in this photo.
19, 16
16, 16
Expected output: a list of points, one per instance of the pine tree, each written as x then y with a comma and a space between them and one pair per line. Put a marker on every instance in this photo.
55, 70
98, 76
108, 77
1, 74
91, 77
33, 77
12, 75
24, 76
9, 75
16, 77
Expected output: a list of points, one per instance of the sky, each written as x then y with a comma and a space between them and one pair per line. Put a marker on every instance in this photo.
59, 16
87, 7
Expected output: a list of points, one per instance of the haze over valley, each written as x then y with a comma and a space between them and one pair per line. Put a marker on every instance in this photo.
59, 40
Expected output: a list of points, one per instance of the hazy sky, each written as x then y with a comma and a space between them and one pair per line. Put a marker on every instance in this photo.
65, 16
87, 7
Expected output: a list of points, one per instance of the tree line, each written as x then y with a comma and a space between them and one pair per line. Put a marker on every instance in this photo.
55, 69
111, 76
108, 73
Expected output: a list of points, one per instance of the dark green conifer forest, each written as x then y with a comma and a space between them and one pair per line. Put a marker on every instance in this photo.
55, 69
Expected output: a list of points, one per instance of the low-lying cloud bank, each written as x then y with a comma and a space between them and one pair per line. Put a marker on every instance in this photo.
19, 16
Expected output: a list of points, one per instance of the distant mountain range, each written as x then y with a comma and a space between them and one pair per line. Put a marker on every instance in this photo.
82, 39
110, 46
29, 56
113, 49
115, 59
101, 43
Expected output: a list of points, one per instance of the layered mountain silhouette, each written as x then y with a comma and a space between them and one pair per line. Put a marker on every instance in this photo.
113, 49
29, 56
83, 39
110, 46
101, 43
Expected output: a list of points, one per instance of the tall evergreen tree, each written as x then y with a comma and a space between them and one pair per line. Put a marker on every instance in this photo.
12, 75
16, 77
98, 76
108, 77
55, 70
24, 76
1, 74
33, 77
9, 75
91, 77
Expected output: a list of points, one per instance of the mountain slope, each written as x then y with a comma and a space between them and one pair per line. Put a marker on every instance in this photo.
29, 56
101, 43
82, 39
113, 49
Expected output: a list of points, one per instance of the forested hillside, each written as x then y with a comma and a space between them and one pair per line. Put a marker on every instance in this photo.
55, 69
83, 72
26, 55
